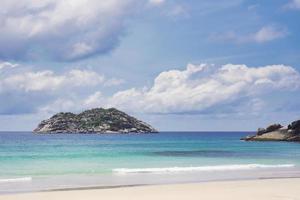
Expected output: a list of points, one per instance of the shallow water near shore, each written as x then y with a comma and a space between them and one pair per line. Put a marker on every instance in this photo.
30, 162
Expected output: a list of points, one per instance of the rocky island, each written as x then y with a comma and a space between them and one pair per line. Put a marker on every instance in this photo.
98, 120
277, 132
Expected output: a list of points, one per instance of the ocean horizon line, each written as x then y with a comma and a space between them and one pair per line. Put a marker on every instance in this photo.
200, 131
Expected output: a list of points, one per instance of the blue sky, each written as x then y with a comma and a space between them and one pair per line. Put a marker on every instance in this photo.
177, 64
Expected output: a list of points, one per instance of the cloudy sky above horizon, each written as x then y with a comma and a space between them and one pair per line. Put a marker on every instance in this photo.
177, 64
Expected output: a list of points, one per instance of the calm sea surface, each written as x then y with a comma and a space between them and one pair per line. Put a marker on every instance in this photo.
31, 162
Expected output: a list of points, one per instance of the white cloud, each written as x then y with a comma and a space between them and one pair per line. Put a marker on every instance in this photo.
66, 104
59, 105
293, 4
48, 80
156, 2
66, 30
200, 89
4, 65
24, 91
94, 100
265, 34
204, 87
269, 33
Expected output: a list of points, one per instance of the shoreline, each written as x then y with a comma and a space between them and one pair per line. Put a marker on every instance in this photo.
105, 187
83, 183
162, 184
270, 188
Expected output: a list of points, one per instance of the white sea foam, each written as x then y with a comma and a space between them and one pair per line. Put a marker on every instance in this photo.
13, 180
200, 168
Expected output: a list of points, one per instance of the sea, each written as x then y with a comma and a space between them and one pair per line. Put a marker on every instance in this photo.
42, 162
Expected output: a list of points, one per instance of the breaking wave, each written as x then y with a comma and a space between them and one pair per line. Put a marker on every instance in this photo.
200, 168
13, 180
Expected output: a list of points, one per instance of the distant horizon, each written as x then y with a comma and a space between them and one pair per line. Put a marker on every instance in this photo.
165, 131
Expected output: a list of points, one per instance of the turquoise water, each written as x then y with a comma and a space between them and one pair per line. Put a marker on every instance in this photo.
26, 155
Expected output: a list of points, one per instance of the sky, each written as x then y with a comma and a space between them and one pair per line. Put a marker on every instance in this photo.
180, 65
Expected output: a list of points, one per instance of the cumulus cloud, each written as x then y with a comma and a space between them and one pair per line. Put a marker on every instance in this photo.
197, 89
48, 81
4, 65
64, 30
204, 87
263, 35
24, 91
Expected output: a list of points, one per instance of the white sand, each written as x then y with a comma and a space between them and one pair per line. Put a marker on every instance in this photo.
271, 189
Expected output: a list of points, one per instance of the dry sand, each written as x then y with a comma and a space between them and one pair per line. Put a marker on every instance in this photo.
268, 189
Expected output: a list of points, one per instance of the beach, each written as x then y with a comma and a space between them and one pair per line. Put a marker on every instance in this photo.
260, 189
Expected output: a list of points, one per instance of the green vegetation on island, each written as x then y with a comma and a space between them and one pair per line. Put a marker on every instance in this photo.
97, 120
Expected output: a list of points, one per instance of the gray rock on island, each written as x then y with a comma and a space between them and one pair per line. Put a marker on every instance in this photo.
98, 120
277, 132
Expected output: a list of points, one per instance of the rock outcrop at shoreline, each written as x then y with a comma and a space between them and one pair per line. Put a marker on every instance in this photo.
277, 132
98, 120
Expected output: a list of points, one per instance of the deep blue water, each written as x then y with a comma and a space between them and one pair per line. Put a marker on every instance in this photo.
24, 154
